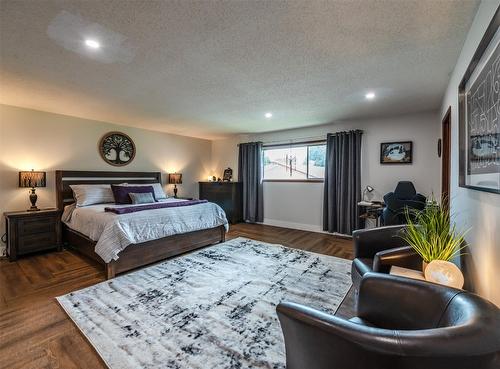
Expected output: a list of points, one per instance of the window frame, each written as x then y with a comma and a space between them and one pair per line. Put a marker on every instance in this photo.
305, 144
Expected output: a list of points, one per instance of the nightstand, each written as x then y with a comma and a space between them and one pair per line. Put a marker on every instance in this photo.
31, 231
183, 198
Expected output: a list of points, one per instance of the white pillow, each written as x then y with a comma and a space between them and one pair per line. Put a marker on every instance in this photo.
89, 194
157, 188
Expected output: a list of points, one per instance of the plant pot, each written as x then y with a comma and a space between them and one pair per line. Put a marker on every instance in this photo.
424, 265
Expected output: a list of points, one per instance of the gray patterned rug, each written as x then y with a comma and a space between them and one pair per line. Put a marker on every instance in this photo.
213, 308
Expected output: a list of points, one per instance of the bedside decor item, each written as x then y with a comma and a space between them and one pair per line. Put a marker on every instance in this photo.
117, 149
228, 175
32, 231
32, 179
445, 273
396, 152
175, 179
479, 131
431, 234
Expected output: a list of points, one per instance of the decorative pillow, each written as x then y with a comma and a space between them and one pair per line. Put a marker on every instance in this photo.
142, 198
89, 194
158, 189
121, 196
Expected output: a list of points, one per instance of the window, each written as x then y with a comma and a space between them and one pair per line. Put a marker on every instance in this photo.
298, 162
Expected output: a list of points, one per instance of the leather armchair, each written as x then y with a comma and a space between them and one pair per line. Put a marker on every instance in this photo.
377, 249
404, 196
401, 323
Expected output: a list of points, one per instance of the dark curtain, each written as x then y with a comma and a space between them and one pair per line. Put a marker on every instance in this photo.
250, 173
342, 182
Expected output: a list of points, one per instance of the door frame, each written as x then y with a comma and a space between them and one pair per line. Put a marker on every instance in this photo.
446, 158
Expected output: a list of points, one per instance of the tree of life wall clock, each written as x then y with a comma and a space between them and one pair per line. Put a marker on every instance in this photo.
479, 115
117, 148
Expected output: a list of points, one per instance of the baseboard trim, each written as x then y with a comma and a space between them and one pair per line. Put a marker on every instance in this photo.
300, 226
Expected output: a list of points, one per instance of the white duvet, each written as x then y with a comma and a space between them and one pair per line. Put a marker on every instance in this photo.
113, 232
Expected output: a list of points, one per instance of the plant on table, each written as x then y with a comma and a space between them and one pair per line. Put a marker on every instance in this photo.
432, 234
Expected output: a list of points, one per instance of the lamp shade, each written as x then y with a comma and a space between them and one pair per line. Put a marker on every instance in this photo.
174, 178
32, 179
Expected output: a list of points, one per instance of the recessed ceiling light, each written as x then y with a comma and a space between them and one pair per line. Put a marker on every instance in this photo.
268, 115
93, 44
370, 95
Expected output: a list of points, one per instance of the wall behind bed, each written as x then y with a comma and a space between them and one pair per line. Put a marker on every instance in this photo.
45, 141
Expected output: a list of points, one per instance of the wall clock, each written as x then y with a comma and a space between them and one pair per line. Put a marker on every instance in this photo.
117, 148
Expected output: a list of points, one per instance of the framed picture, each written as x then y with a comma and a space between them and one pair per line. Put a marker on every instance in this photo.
117, 149
396, 152
228, 175
479, 115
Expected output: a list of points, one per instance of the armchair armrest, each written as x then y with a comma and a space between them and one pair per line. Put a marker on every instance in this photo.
367, 242
405, 257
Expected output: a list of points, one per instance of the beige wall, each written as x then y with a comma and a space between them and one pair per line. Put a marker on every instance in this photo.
477, 210
281, 200
45, 141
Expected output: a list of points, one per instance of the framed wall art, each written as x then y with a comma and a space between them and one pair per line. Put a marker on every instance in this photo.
117, 149
479, 115
396, 152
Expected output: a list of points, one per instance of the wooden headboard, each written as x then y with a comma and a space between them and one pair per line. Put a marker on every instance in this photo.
65, 178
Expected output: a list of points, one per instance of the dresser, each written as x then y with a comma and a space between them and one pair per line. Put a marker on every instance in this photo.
228, 195
32, 231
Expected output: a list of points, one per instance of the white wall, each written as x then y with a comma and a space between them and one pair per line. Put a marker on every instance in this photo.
299, 205
31, 139
477, 210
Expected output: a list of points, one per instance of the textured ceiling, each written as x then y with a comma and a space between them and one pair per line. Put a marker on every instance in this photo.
211, 68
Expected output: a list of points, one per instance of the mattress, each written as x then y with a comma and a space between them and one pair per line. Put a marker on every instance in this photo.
113, 233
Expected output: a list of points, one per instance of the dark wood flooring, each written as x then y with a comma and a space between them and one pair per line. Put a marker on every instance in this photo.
36, 333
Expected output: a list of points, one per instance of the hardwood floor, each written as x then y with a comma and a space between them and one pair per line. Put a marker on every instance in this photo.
36, 333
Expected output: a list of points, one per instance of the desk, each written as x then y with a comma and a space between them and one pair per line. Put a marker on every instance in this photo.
372, 210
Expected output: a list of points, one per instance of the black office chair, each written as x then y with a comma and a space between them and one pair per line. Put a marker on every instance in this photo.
401, 323
404, 196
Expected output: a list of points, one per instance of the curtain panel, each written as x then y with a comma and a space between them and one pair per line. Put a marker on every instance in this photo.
342, 187
250, 174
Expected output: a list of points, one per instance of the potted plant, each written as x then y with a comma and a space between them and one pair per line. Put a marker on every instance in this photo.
432, 234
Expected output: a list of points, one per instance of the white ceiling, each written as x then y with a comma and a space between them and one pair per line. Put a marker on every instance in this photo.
212, 68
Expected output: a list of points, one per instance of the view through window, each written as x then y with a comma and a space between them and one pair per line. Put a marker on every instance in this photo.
297, 162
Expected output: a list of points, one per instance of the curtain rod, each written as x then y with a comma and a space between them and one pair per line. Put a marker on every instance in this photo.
290, 141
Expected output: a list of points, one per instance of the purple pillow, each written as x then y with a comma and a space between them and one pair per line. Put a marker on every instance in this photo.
121, 192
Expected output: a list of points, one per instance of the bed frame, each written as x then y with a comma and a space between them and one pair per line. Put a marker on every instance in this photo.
135, 255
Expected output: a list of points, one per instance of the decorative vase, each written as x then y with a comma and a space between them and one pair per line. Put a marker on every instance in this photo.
445, 273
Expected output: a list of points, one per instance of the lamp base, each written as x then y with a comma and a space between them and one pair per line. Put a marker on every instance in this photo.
33, 198
175, 191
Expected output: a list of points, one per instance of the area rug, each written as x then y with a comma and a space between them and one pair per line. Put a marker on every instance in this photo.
213, 308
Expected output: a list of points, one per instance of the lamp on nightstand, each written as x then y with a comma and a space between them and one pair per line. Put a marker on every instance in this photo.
32, 179
175, 179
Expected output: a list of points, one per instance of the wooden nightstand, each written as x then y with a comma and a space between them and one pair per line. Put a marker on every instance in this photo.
31, 231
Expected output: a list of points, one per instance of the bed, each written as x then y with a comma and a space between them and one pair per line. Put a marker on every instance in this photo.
136, 254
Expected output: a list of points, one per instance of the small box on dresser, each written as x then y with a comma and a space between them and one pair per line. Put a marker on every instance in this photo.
228, 195
32, 231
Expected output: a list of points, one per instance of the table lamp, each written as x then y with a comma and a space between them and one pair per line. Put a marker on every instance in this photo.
368, 189
175, 179
32, 179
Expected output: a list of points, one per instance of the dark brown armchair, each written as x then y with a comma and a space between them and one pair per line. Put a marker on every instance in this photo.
377, 249
401, 323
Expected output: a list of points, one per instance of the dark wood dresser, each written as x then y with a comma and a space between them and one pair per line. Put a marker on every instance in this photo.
31, 231
228, 195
